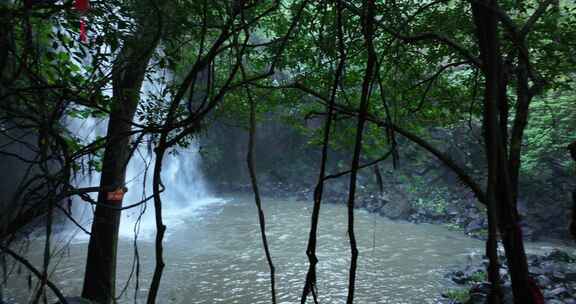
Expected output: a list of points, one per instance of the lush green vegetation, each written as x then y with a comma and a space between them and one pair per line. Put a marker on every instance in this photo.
480, 89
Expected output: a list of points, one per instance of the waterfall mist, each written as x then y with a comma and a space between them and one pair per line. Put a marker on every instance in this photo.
186, 190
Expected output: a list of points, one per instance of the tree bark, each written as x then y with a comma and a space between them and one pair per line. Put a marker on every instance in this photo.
257, 199
128, 75
500, 191
310, 283
5, 31
368, 33
379, 180
572, 148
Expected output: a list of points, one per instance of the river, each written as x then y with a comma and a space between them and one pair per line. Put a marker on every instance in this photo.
215, 255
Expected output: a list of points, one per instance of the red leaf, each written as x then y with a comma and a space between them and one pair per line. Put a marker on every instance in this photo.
83, 35
82, 5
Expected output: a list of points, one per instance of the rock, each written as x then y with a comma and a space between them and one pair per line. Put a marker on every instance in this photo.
479, 293
452, 211
76, 300
459, 277
543, 280
559, 291
547, 267
570, 276
508, 297
528, 233
537, 270
558, 276
397, 210
477, 298
475, 225
560, 256
554, 273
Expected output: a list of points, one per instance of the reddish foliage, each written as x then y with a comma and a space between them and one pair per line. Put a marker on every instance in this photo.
536, 292
83, 36
82, 5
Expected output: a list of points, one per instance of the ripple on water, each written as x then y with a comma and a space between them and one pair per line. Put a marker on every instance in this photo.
217, 257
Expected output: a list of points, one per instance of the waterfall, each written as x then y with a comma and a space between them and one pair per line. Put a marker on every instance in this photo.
186, 189
185, 194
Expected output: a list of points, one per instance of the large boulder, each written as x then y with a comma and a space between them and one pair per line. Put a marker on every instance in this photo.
397, 210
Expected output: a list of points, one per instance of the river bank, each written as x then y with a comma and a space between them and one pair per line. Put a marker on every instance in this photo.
462, 214
554, 271
457, 210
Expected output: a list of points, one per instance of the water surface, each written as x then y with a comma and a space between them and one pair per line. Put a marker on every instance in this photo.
215, 255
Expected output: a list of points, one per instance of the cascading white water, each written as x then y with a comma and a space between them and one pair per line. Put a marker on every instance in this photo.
186, 190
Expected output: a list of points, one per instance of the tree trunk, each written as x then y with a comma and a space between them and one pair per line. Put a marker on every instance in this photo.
5, 31
500, 191
379, 180
572, 148
368, 33
128, 75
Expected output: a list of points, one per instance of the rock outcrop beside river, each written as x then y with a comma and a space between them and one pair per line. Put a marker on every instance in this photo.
554, 272
459, 210
461, 213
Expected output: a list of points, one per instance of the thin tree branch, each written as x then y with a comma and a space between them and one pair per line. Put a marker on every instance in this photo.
36, 272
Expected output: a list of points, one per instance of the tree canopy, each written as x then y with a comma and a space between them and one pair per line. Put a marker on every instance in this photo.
361, 77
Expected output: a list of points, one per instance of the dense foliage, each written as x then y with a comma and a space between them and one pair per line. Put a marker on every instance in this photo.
483, 87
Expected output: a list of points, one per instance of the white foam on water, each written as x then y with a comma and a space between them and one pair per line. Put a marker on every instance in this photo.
185, 195
186, 190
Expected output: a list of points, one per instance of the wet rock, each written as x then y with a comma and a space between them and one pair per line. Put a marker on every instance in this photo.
570, 276
374, 204
479, 293
560, 291
560, 256
477, 298
397, 210
543, 280
475, 225
528, 233
545, 268
537, 271
553, 272
558, 276
76, 300
459, 277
